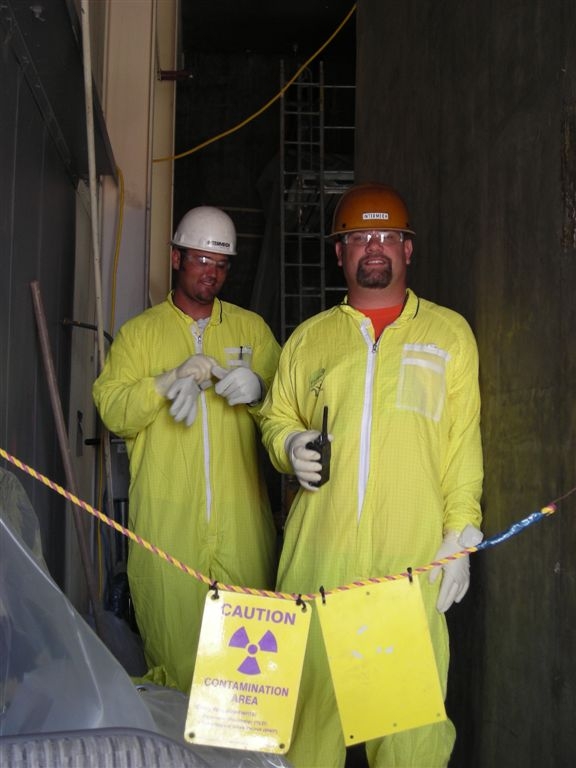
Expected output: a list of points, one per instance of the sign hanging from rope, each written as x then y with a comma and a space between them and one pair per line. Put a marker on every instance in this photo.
381, 660
247, 672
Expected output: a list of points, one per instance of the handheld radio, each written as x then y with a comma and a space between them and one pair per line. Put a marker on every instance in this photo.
322, 445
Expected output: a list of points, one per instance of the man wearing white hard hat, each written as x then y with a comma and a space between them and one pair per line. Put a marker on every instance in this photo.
182, 385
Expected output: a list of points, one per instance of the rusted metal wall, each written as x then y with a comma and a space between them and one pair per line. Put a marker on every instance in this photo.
36, 243
42, 159
469, 109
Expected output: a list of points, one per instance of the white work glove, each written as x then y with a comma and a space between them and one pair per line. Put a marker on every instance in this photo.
199, 367
239, 385
456, 576
305, 461
184, 395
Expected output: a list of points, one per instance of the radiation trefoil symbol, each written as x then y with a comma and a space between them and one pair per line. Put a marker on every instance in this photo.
250, 664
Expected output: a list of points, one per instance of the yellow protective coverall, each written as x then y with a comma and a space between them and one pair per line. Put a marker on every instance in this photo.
195, 492
406, 467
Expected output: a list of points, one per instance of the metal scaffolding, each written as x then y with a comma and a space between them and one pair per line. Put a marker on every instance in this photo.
316, 156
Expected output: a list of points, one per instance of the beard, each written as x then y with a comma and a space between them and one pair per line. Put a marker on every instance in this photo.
204, 294
374, 276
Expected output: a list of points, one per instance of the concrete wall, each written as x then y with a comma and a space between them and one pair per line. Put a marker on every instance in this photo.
469, 109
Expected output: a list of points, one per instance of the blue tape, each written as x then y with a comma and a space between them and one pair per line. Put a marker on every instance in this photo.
512, 531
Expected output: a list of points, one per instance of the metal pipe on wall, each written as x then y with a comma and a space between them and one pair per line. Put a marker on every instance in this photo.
88, 97
94, 221
65, 452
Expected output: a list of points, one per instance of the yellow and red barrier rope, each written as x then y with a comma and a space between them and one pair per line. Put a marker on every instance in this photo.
514, 529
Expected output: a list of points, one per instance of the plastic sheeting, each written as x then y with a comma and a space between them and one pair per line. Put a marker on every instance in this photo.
56, 675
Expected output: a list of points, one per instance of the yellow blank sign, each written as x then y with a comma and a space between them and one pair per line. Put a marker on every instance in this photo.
381, 659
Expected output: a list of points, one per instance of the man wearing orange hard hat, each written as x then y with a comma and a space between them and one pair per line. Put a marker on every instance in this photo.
399, 376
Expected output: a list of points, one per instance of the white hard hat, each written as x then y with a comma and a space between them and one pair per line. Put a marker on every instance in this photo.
206, 229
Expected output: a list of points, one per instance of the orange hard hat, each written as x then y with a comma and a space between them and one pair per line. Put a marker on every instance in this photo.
370, 206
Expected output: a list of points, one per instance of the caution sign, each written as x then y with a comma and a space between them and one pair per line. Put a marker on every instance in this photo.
247, 672
381, 659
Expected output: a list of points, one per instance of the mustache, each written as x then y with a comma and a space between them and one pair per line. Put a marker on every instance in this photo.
380, 256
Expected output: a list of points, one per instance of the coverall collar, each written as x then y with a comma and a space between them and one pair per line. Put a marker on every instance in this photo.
215, 316
408, 313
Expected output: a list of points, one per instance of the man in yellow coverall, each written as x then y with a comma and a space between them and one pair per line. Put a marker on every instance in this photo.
182, 384
399, 376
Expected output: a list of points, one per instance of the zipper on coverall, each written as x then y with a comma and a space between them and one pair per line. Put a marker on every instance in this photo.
366, 425
197, 334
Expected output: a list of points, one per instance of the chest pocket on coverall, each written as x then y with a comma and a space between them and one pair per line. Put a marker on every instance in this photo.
422, 380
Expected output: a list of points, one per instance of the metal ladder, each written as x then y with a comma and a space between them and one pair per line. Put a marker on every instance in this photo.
315, 120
